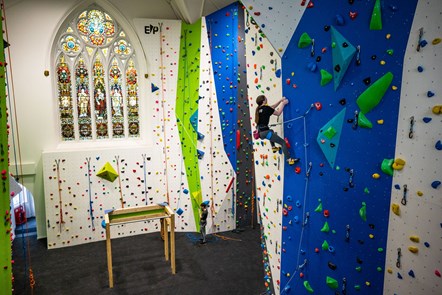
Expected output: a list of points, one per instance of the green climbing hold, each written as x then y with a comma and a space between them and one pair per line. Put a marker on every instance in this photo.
366, 190
325, 228
308, 287
358, 287
390, 51
373, 94
363, 211
304, 40
379, 269
363, 121
387, 166
326, 77
330, 132
319, 208
325, 245
380, 250
331, 282
358, 268
376, 17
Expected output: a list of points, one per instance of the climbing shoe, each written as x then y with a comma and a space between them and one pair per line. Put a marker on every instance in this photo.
292, 161
275, 149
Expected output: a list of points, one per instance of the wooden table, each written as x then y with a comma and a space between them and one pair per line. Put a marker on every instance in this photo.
142, 213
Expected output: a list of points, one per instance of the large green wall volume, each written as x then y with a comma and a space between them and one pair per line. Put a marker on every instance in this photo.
187, 105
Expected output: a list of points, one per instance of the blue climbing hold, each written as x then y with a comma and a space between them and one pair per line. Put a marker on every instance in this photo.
397, 186
430, 93
298, 203
399, 276
289, 198
103, 224
435, 184
296, 219
411, 273
427, 244
426, 119
420, 69
312, 66
339, 20
438, 145
186, 191
423, 43
278, 73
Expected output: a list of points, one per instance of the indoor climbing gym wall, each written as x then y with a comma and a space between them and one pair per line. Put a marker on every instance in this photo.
5, 226
342, 73
228, 65
348, 71
264, 77
414, 245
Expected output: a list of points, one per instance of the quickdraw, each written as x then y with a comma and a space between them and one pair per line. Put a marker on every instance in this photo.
307, 216
91, 210
60, 202
144, 177
312, 50
309, 169
347, 233
355, 122
117, 158
421, 34
404, 196
358, 55
411, 133
398, 261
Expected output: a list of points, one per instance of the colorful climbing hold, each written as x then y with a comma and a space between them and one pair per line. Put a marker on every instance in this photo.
326, 77
396, 209
376, 19
331, 282
325, 245
363, 212
373, 94
386, 165
304, 40
363, 121
308, 287
414, 239
325, 228
435, 184
413, 249
375, 175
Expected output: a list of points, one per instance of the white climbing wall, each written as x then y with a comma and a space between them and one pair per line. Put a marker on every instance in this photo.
215, 169
278, 19
422, 215
70, 190
269, 167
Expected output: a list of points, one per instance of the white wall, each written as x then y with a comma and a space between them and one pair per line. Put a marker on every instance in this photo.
421, 216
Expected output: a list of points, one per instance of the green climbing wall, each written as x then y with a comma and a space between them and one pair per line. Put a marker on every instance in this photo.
187, 105
5, 226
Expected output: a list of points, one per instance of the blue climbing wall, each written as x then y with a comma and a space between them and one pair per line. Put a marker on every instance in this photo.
357, 254
222, 29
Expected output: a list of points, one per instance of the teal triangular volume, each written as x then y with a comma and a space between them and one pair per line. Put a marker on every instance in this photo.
343, 52
194, 121
330, 146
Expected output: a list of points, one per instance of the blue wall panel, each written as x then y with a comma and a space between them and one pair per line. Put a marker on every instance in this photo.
361, 258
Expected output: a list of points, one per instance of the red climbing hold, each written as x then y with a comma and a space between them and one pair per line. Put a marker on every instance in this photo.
287, 81
326, 213
257, 13
310, 4
353, 15
436, 272
298, 170
318, 106
302, 2
285, 212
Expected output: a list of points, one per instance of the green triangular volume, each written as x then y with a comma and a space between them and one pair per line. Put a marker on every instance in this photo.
376, 17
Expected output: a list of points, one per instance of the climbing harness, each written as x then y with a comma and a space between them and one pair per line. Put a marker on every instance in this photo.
411, 133
404, 197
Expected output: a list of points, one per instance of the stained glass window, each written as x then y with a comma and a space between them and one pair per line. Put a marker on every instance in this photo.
105, 100
65, 99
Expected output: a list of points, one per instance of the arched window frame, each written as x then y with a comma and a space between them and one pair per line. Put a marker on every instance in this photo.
71, 59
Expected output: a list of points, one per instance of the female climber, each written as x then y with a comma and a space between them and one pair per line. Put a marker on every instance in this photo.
262, 118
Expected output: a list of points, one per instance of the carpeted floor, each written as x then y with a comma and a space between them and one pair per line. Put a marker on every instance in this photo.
222, 266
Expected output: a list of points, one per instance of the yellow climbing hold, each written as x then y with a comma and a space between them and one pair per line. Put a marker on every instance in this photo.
398, 164
293, 73
413, 249
436, 41
389, 270
437, 110
367, 283
393, 87
280, 49
420, 194
414, 239
396, 209
375, 175
382, 62
380, 122
388, 36
371, 236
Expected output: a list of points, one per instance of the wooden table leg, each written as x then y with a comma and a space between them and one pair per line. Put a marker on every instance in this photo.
172, 243
166, 239
109, 256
